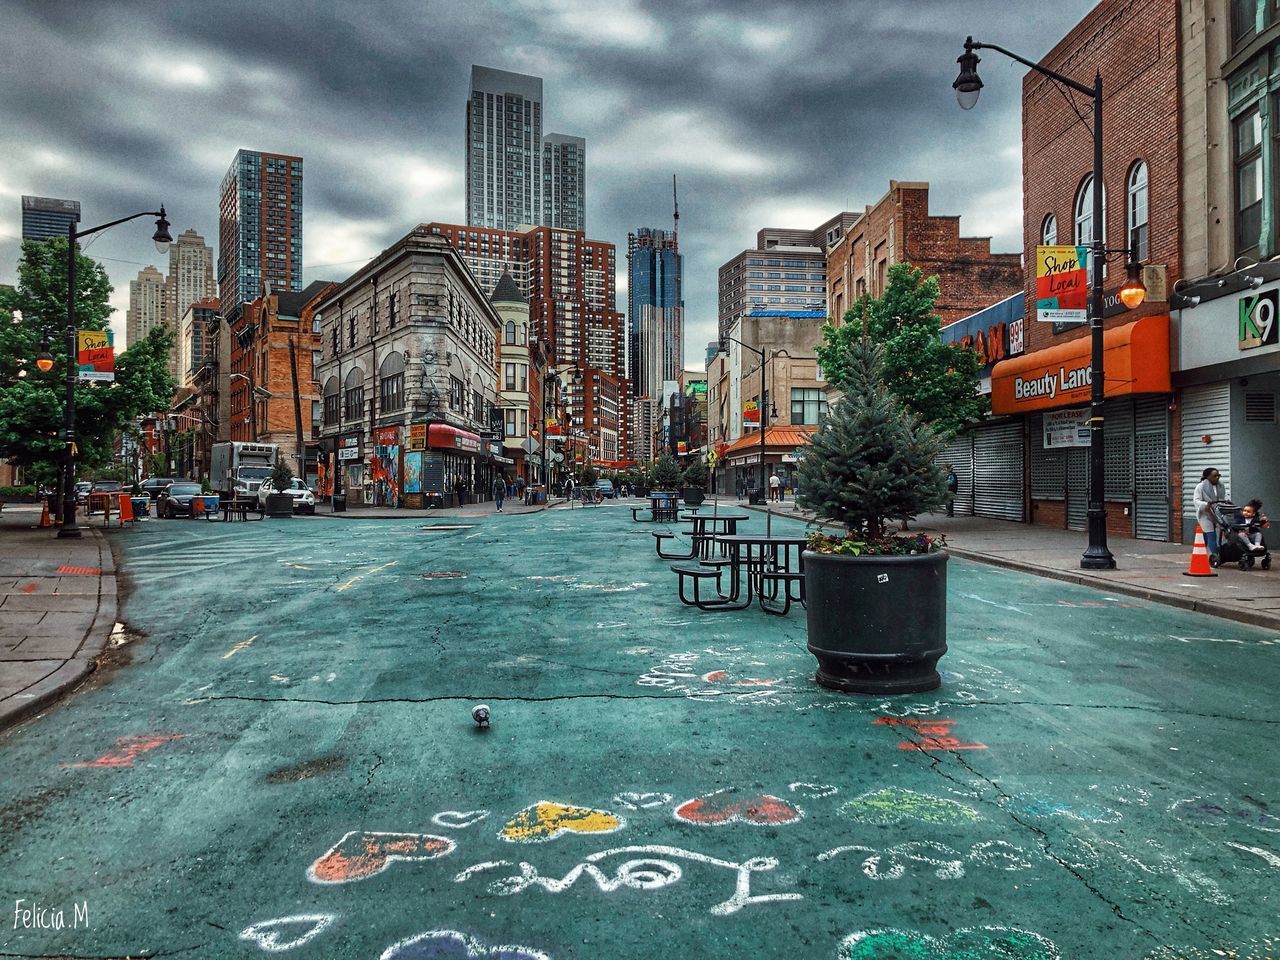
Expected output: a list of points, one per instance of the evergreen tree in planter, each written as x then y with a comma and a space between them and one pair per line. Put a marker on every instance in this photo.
280, 502
876, 602
695, 481
666, 473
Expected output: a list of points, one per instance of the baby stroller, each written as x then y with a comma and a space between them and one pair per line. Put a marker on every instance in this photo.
1230, 523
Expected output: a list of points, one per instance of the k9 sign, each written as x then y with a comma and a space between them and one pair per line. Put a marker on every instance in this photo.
1258, 320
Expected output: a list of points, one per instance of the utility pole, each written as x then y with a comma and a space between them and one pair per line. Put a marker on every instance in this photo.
297, 410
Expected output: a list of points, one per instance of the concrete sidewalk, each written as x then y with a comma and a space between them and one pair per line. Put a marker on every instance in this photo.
57, 610
483, 509
1148, 569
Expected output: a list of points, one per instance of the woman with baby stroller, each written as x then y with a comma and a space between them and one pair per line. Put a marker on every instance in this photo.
1240, 539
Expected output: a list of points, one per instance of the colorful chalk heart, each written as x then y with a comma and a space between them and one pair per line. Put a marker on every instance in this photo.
452, 945
285, 933
894, 804
358, 855
730, 806
1221, 811
546, 821
980, 943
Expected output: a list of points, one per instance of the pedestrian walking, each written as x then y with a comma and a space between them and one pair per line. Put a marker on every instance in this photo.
460, 489
568, 489
1209, 492
953, 487
499, 491
520, 490
775, 487
738, 488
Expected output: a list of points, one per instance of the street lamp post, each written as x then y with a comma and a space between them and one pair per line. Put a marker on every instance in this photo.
162, 239
967, 86
764, 402
253, 399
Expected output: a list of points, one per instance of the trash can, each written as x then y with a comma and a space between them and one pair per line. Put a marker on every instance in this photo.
756, 495
339, 503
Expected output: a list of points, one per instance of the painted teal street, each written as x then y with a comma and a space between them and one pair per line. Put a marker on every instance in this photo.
283, 759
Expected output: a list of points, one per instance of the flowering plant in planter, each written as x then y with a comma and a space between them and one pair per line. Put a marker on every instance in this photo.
853, 546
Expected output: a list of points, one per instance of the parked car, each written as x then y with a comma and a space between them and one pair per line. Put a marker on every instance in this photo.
111, 487
153, 487
176, 499
605, 488
82, 490
304, 500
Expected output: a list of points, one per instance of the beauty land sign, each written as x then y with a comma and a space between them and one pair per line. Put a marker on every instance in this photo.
1062, 284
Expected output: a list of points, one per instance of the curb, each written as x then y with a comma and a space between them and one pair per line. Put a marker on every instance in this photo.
48, 691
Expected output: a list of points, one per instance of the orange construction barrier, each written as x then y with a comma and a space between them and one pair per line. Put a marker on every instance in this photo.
44, 513
126, 509
1199, 558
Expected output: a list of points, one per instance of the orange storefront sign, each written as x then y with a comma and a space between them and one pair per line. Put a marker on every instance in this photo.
1135, 360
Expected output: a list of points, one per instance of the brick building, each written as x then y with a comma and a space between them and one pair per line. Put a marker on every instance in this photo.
571, 285
1135, 48
899, 227
261, 382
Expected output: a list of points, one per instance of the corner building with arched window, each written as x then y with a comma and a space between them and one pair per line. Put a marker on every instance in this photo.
1137, 49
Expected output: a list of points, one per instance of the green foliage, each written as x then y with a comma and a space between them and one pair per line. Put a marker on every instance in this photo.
937, 381
24, 491
853, 545
281, 478
589, 477
695, 474
32, 407
666, 473
871, 460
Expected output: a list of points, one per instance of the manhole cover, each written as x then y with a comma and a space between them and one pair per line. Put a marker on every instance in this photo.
444, 575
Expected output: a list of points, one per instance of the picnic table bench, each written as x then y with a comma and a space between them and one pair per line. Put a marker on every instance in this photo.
239, 509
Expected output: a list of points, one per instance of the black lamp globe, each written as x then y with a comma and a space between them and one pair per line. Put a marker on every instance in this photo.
968, 84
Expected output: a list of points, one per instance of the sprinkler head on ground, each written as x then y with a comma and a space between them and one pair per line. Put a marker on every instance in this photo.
480, 714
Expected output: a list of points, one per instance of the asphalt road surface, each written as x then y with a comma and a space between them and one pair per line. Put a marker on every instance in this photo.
284, 761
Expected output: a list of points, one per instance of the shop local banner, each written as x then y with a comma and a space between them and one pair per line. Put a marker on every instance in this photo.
1066, 428
1062, 284
96, 356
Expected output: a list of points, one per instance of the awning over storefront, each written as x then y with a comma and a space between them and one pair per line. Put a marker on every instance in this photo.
746, 449
443, 435
1135, 361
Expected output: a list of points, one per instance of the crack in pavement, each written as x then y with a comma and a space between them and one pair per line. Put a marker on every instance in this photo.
435, 635
374, 768
98, 956
442, 699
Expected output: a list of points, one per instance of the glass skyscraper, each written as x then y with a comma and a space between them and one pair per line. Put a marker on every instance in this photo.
47, 217
504, 149
655, 311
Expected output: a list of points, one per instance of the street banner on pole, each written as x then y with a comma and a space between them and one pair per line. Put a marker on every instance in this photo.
751, 413
96, 356
1062, 284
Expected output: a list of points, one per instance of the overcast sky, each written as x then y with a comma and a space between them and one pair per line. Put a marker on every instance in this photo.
770, 113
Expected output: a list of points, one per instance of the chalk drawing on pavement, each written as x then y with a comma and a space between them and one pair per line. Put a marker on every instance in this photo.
243, 644
1220, 811
458, 819
890, 805
1195, 882
453, 945
546, 820
127, 750
813, 791
1035, 805
1267, 948
642, 801
975, 943
946, 863
735, 806
936, 734
653, 868
286, 933
682, 673
1266, 855
363, 854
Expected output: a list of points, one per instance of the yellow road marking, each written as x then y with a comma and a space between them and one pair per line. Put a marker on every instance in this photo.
238, 647
360, 576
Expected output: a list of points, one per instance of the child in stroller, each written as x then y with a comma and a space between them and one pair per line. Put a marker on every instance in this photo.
1240, 540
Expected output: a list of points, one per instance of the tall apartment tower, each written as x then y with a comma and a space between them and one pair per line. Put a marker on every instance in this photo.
504, 149
47, 217
655, 312
259, 228
148, 304
190, 280
564, 182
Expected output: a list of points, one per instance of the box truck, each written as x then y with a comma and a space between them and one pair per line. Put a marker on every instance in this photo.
237, 469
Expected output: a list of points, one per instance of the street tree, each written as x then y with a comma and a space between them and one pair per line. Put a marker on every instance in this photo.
937, 381
32, 406
666, 473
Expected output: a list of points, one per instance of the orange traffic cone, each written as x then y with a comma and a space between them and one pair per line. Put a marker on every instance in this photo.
44, 513
126, 509
1199, 558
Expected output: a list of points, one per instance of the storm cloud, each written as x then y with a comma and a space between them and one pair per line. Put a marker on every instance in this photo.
771, 114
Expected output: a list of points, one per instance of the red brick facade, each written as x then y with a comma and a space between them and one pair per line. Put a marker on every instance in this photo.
900, 228
1135, 48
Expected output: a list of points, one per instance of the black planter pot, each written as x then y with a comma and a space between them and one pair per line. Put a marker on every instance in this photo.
693, 495
877, 624
279, 505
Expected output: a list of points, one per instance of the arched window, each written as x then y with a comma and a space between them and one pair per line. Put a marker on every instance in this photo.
330, 394
1049, 230
1139, 248
1084, 232
353, 395
509, 334
391, 382
524, 334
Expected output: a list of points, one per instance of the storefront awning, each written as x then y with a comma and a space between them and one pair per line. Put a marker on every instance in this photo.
1135, 360
746, 449
451, 438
